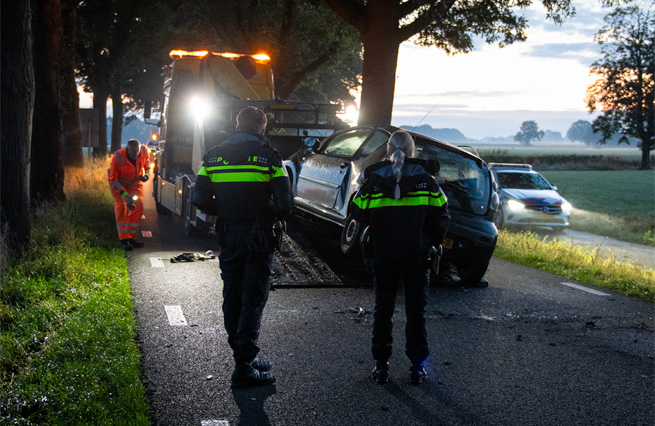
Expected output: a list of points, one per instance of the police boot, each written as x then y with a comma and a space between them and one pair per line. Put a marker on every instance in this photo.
381, 372
261, 364
244, 376
417, 374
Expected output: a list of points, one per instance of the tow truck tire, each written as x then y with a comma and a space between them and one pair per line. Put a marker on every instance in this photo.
189, 229
350, 235
161, 210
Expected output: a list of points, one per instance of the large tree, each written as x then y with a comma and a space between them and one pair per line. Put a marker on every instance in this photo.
625, 89
582, 131
16, 117
529, 132
447, 24
47, 162
72, 147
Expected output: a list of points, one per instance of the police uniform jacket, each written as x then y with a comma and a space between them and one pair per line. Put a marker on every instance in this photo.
242, 180
401, 231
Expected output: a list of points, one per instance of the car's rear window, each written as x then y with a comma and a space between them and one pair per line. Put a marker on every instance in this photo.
465, 183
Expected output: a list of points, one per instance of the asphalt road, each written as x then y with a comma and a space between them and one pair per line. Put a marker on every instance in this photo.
531, 349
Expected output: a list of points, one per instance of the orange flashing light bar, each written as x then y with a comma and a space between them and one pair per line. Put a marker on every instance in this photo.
176, 54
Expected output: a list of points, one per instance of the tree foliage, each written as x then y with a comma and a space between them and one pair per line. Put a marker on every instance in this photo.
625, 88
448, 25
116, 42
529, 132
582, 131
315, 56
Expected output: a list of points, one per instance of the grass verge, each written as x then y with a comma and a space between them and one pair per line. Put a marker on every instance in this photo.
67, 333
563, 258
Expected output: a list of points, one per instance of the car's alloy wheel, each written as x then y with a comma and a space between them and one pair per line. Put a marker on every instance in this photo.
350, 235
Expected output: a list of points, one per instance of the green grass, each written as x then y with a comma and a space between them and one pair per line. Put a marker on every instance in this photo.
67, 334
565, 259
618, 204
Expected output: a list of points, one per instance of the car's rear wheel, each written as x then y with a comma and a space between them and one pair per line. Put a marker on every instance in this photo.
350, 235
471, 273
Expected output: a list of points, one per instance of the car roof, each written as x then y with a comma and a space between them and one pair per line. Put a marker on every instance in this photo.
446, 145
511, 167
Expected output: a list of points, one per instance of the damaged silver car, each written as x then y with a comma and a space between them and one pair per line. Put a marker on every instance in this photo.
325, 177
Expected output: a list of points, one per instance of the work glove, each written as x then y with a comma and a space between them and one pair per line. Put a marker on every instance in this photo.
130, 200
144, 178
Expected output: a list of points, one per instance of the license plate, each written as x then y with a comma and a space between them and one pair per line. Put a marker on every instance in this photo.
447, 243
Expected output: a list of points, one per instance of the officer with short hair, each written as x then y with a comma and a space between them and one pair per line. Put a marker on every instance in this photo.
242, 181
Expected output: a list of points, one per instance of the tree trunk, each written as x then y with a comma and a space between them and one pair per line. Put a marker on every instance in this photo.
117, 120
645, 156
70, 99
381, 45
100, 103
16, 131
47, 165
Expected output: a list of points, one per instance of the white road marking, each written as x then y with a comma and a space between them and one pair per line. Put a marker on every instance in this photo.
147, 234
175, 315
156, 262
214, 423
587, 289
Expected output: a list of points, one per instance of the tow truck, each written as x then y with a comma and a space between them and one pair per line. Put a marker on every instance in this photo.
203, 92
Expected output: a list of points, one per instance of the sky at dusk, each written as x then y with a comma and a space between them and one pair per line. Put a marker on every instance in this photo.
491, 91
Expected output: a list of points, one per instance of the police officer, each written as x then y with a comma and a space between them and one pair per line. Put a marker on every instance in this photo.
129, 168
407, 213
243, 182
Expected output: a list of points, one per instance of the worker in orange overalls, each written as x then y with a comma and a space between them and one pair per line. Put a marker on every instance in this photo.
130, 166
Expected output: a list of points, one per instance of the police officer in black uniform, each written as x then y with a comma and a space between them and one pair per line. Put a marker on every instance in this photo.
406, 213
243, 182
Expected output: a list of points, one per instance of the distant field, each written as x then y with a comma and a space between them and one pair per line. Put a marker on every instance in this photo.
559, 149
622, 193
618, 204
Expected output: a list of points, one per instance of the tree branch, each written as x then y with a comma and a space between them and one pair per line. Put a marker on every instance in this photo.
351, 11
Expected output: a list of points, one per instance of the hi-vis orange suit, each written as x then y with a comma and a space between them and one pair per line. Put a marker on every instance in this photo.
125, 176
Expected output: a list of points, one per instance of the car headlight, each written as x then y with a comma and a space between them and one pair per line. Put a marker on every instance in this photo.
515, 205
567, 207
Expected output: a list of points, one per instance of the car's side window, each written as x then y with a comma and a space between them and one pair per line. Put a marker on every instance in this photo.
374, 142
346, 144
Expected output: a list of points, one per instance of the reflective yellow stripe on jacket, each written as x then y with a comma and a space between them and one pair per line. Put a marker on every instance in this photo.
417, 198
241, 173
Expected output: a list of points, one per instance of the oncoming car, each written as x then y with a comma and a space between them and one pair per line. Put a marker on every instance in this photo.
527, 199
325, 177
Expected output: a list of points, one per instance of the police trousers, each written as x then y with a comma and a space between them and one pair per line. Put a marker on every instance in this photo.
246, 276
386, 280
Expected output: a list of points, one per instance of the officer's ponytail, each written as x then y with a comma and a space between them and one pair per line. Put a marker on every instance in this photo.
399, 147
